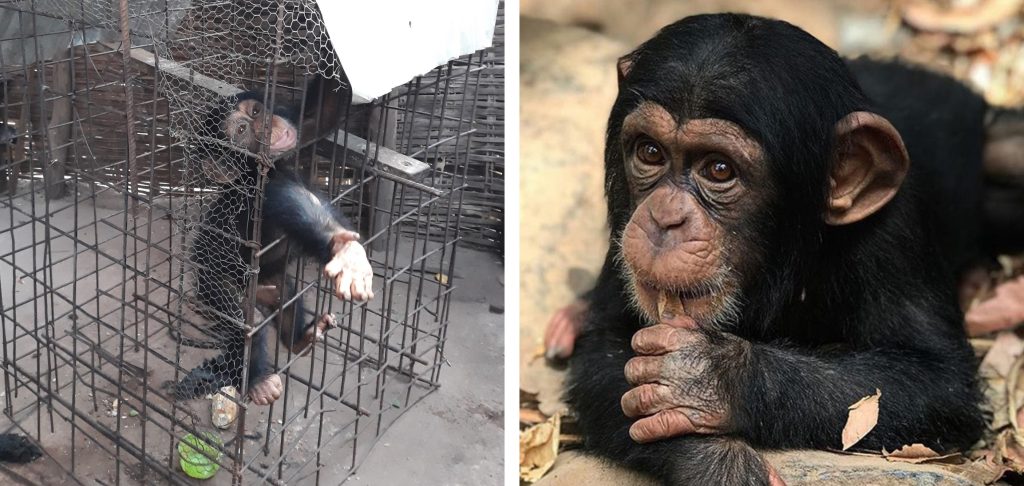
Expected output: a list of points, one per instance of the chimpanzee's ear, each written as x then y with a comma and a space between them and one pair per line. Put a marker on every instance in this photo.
624, 65
871, 162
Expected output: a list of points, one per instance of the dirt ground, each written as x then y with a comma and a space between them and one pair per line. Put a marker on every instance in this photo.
450, 436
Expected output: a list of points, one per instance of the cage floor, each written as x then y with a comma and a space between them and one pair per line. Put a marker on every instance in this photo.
148, 419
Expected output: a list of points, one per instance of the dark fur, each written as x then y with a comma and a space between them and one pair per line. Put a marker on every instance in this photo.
222, 257
833, 312
18, 448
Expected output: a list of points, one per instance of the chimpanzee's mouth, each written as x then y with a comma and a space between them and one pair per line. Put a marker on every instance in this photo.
705, 301
283, 140
689, 293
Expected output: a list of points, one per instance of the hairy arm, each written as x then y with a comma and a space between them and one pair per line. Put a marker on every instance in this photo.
308, 220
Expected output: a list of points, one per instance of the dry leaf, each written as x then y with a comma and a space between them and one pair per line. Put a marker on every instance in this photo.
1000, 358
962, 20
440, 277
863, 417
917, 454
538, 448
1004, 310
982, 471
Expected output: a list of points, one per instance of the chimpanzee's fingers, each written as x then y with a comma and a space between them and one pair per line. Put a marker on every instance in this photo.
369, 285
333, 267
563, 329
662, 425
344, 285
659, 339
647, 399
680, 321
358, 292
644, 369
773, 476
346, 235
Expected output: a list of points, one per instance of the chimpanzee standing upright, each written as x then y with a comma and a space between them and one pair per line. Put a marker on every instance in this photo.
220, 250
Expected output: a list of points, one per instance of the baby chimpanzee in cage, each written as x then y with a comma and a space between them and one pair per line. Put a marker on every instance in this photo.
244, 130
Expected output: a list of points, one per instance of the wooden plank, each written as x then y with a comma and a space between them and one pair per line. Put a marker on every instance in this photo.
388, 159
59, 130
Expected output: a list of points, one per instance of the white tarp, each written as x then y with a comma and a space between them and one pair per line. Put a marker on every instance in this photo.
385, 43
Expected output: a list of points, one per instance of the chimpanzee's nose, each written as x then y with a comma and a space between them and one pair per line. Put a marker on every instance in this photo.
668, 210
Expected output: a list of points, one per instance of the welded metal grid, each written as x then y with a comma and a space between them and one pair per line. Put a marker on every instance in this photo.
101, 193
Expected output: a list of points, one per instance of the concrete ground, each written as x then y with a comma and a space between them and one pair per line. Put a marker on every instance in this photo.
454, 436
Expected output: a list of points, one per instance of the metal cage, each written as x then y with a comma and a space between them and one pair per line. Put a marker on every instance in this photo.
100, 196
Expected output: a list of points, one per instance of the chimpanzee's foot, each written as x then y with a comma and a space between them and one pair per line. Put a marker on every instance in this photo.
563, 329
314, 333
266, 390
208, 377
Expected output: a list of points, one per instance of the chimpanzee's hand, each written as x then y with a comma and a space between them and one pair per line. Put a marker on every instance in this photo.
678, 378
349, 268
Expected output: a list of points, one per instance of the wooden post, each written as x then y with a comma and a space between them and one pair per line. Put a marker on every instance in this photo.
58, 132
4, 148
26, 128
383, 195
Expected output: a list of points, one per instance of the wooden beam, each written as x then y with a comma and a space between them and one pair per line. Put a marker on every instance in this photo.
387, 159
59, 130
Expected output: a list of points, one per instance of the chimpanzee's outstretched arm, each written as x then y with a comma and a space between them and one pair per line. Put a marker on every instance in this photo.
320, 231
307, 220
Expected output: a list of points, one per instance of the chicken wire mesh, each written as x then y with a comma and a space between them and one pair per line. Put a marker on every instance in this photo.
108, 178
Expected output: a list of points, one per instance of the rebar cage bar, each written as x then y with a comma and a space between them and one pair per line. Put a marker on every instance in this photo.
101, 192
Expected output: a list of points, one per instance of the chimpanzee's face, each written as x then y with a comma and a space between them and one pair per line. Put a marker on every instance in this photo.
693, 186
247, 127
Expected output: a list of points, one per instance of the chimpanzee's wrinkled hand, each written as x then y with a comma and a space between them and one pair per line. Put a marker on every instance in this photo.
349, 269
678, 378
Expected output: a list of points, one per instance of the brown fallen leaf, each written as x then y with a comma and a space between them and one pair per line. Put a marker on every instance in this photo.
983, 470
538, 448
863, 417
918, 454
962, 20
999, 360
440, 277
1005, 310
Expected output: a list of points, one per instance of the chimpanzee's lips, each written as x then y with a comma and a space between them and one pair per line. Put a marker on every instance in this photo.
283, 140
693, 292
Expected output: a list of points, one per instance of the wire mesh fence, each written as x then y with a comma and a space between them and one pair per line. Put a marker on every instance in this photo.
109, 190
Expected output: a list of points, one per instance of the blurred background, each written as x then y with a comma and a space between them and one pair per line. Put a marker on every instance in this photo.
568, 83
568, 53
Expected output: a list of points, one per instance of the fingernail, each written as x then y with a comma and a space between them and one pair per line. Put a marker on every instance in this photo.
554, 352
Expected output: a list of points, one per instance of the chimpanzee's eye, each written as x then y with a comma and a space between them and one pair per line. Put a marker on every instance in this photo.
719, 171
241, 129
649, 153
255, 109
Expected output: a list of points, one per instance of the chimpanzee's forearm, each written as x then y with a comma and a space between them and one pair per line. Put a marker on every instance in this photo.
308, 220
927, 397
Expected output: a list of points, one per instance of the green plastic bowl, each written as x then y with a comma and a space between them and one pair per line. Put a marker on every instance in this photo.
199, 456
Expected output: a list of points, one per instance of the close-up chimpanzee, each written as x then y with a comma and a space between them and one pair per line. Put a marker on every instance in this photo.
788, 233
241, 128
